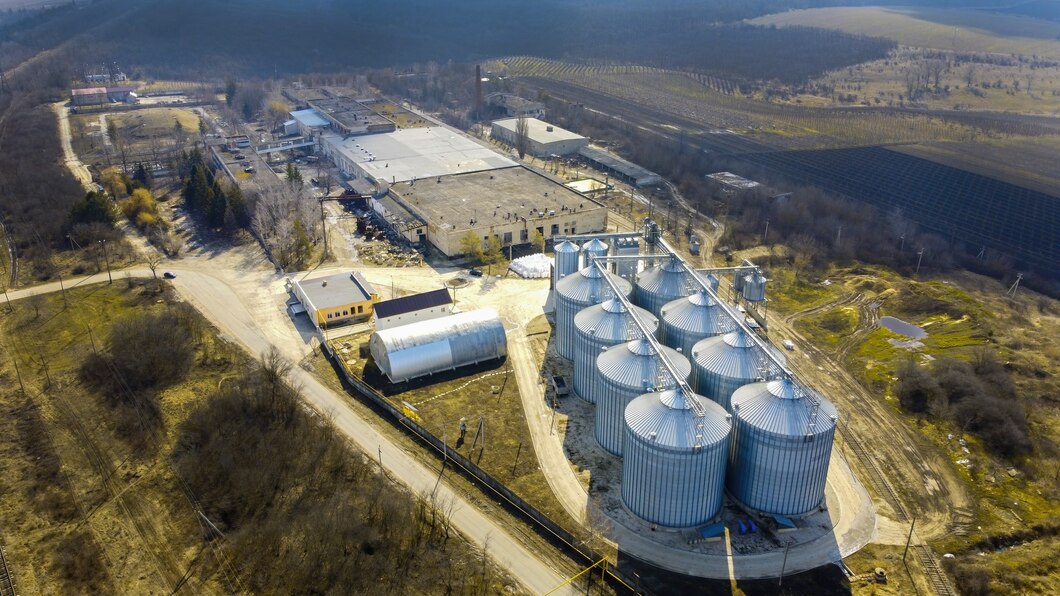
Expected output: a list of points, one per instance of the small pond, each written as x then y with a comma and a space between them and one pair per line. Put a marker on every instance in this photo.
902, 328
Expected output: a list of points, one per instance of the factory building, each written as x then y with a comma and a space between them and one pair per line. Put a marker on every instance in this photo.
544, 139
334, 299
624, 170
730, 183
307, 123
515, 106
350, 117
89, 96
416, 308
409, 154
438, 345
510, 204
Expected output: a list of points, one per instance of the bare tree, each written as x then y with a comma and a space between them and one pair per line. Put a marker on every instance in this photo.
522, 136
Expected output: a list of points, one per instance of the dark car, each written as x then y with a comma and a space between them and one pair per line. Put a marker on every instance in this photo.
169, 275
475, 273
240, 157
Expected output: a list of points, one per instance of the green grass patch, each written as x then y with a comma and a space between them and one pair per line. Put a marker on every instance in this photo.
828, 328
789, 294
486, 391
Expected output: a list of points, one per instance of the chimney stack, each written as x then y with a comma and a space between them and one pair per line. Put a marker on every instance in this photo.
478, 91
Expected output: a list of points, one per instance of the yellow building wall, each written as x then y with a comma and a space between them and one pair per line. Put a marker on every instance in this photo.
350, 311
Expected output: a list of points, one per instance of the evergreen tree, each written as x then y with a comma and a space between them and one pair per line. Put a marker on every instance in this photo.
141, 176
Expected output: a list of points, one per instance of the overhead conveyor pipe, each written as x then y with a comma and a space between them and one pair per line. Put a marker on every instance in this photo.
692, 398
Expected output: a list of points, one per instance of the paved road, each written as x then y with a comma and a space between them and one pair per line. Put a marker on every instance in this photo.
214, 297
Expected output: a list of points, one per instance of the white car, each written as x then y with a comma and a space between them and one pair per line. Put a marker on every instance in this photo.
788, 344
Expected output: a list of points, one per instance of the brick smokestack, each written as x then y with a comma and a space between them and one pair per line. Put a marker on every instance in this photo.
478, 91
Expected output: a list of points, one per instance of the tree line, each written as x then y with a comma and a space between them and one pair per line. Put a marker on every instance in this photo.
214, 204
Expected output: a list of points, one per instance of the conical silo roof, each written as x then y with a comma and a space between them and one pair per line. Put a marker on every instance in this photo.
733, 355
688, 320
666, 421
588, 286
609, 321
662, 284
635, 364
783, 407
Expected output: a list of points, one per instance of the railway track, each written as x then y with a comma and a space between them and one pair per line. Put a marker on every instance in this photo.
935, 576
7, 581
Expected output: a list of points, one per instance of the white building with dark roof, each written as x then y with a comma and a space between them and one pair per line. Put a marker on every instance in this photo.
412, 309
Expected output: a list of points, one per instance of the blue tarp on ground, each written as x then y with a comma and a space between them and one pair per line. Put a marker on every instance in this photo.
712, 530
784, 522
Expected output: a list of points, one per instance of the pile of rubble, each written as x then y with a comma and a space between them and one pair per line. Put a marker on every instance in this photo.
386, 254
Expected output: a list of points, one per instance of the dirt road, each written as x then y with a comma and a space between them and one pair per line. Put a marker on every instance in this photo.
70, 159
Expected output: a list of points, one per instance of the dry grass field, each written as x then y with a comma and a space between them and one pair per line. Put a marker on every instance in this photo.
959, 30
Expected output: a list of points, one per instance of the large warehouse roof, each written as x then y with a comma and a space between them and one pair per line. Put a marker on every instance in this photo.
418, 153
538, 130
638, 175
489, 198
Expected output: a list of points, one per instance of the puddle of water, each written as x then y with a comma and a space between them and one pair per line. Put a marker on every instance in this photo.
902, 328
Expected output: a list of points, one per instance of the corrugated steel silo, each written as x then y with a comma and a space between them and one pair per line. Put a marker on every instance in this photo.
593, 248
713, 282
685, 321
566, 260
724, 364
754, 287
598, 327
411, 351
575, 292
782, 443
625, 372
663, 283
625, 247
674, 466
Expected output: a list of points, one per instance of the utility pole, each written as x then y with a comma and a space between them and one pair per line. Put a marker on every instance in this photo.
909, 539
919, 258
323, 229
1015, 286
765, 235
103, 243
901, 244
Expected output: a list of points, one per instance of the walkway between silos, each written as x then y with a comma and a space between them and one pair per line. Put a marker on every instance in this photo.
849, 504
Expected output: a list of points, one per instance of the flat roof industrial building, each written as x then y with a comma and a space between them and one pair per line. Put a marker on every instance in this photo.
351, 117
544, 139
626, 170
411, 153
510, 203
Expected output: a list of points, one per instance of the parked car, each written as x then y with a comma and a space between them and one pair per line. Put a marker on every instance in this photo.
169, 275
475, 272
240, 157
788, 344
560, 385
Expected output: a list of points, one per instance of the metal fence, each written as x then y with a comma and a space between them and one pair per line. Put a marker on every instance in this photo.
581, 552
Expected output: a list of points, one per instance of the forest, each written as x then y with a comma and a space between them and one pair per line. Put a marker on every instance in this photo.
245, 38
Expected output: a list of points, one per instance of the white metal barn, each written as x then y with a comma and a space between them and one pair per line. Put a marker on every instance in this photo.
412, 351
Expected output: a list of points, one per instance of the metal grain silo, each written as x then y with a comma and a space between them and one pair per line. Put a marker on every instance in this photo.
754, 287
411, 351
593, 248
674, 466
625, 372
685, 321
725, 363
598, 327
575, 292
661, 284
626, 247
713, 282
566, 260
782, 443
